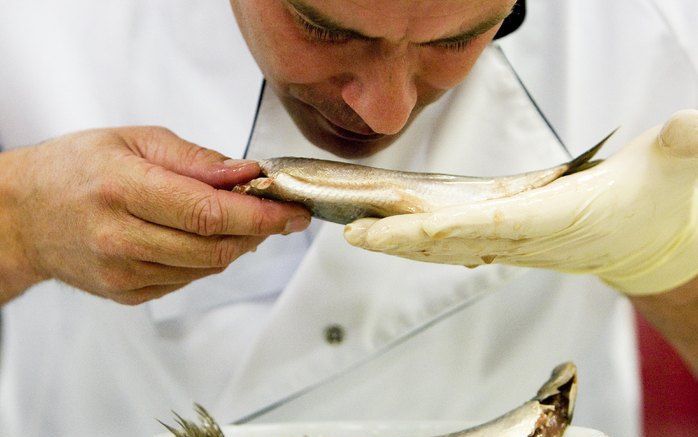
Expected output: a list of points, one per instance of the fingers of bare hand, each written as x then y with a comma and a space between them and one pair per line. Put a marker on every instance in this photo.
136, 239
122, 279
143, 295
160, 196
163, 147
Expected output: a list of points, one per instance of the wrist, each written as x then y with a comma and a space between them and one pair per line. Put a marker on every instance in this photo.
16, 271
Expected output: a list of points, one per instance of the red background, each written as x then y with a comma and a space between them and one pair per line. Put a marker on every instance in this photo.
670, 391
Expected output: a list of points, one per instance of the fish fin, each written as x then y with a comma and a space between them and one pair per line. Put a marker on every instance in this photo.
579, 163
170, 429
585, 166
254, 186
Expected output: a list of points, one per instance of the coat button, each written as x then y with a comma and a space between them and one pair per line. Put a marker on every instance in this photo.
334, 334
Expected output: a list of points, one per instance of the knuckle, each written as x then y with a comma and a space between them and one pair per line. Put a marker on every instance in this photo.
109, 192
114, 244
262, 223
151, 139
224, 252
105, 243
194, 154
147, 184
154, 133
207, 216
114, 281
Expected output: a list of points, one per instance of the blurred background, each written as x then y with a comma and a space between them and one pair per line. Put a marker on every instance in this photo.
669, 389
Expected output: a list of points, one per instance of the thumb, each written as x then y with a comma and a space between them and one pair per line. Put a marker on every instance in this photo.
679, 136
163, 147
355, 232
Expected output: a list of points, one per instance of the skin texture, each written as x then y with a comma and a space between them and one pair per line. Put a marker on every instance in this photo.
354, 94
128, 214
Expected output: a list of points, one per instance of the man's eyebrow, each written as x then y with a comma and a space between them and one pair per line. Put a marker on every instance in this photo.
317, 18
473, 32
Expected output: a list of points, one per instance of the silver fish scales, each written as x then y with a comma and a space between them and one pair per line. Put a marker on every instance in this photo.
341, 192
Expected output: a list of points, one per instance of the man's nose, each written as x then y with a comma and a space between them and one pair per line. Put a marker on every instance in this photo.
382, 91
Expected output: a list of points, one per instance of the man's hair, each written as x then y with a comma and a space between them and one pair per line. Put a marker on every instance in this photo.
514, 20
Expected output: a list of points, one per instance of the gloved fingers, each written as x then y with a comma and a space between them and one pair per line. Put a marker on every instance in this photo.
679, 136
446, 251
542, 253
497, 226
403, 236
538, 213
567, 252
441, 257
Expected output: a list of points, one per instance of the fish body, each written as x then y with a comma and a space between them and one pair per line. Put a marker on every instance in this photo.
548, 414
341, 192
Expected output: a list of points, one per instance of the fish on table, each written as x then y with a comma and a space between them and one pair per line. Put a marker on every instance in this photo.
547, 414
341, 192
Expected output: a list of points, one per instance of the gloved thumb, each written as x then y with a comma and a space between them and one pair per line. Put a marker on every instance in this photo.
162, 147
679, 136
355, 232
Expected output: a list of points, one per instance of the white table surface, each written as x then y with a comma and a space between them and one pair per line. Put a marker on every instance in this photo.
363, 429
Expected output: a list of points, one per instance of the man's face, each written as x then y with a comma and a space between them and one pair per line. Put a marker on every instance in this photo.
354, 73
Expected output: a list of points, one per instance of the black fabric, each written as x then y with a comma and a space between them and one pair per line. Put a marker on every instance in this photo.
256, 116
514, 20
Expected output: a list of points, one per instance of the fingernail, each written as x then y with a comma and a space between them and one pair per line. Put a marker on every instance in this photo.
238, 163
296, 224
354, 236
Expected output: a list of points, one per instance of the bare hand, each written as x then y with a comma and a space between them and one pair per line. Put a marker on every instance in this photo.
129, 214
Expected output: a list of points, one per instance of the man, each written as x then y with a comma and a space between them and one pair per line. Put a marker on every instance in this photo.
306, 327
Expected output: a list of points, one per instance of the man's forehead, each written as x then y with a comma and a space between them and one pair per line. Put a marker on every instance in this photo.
409, 19
414, 8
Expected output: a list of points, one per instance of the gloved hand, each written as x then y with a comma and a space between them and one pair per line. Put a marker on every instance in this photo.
631, 220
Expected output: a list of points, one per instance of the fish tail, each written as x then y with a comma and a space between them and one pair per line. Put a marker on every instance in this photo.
583, 161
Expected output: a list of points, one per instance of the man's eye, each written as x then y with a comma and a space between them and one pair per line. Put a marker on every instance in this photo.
456, 45
318, 33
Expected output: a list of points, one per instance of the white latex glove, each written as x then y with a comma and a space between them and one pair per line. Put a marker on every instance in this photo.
631, 220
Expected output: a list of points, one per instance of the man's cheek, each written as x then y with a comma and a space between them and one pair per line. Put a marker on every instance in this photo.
302, 62
443, 69
293, 58
446, 72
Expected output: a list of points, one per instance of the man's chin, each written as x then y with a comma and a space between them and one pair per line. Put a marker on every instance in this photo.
348, 148
333, 138
342, 142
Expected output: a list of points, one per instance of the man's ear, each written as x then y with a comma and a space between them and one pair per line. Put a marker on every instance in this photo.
514, 20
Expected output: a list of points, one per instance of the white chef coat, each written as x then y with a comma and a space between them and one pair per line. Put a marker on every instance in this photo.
420, 341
